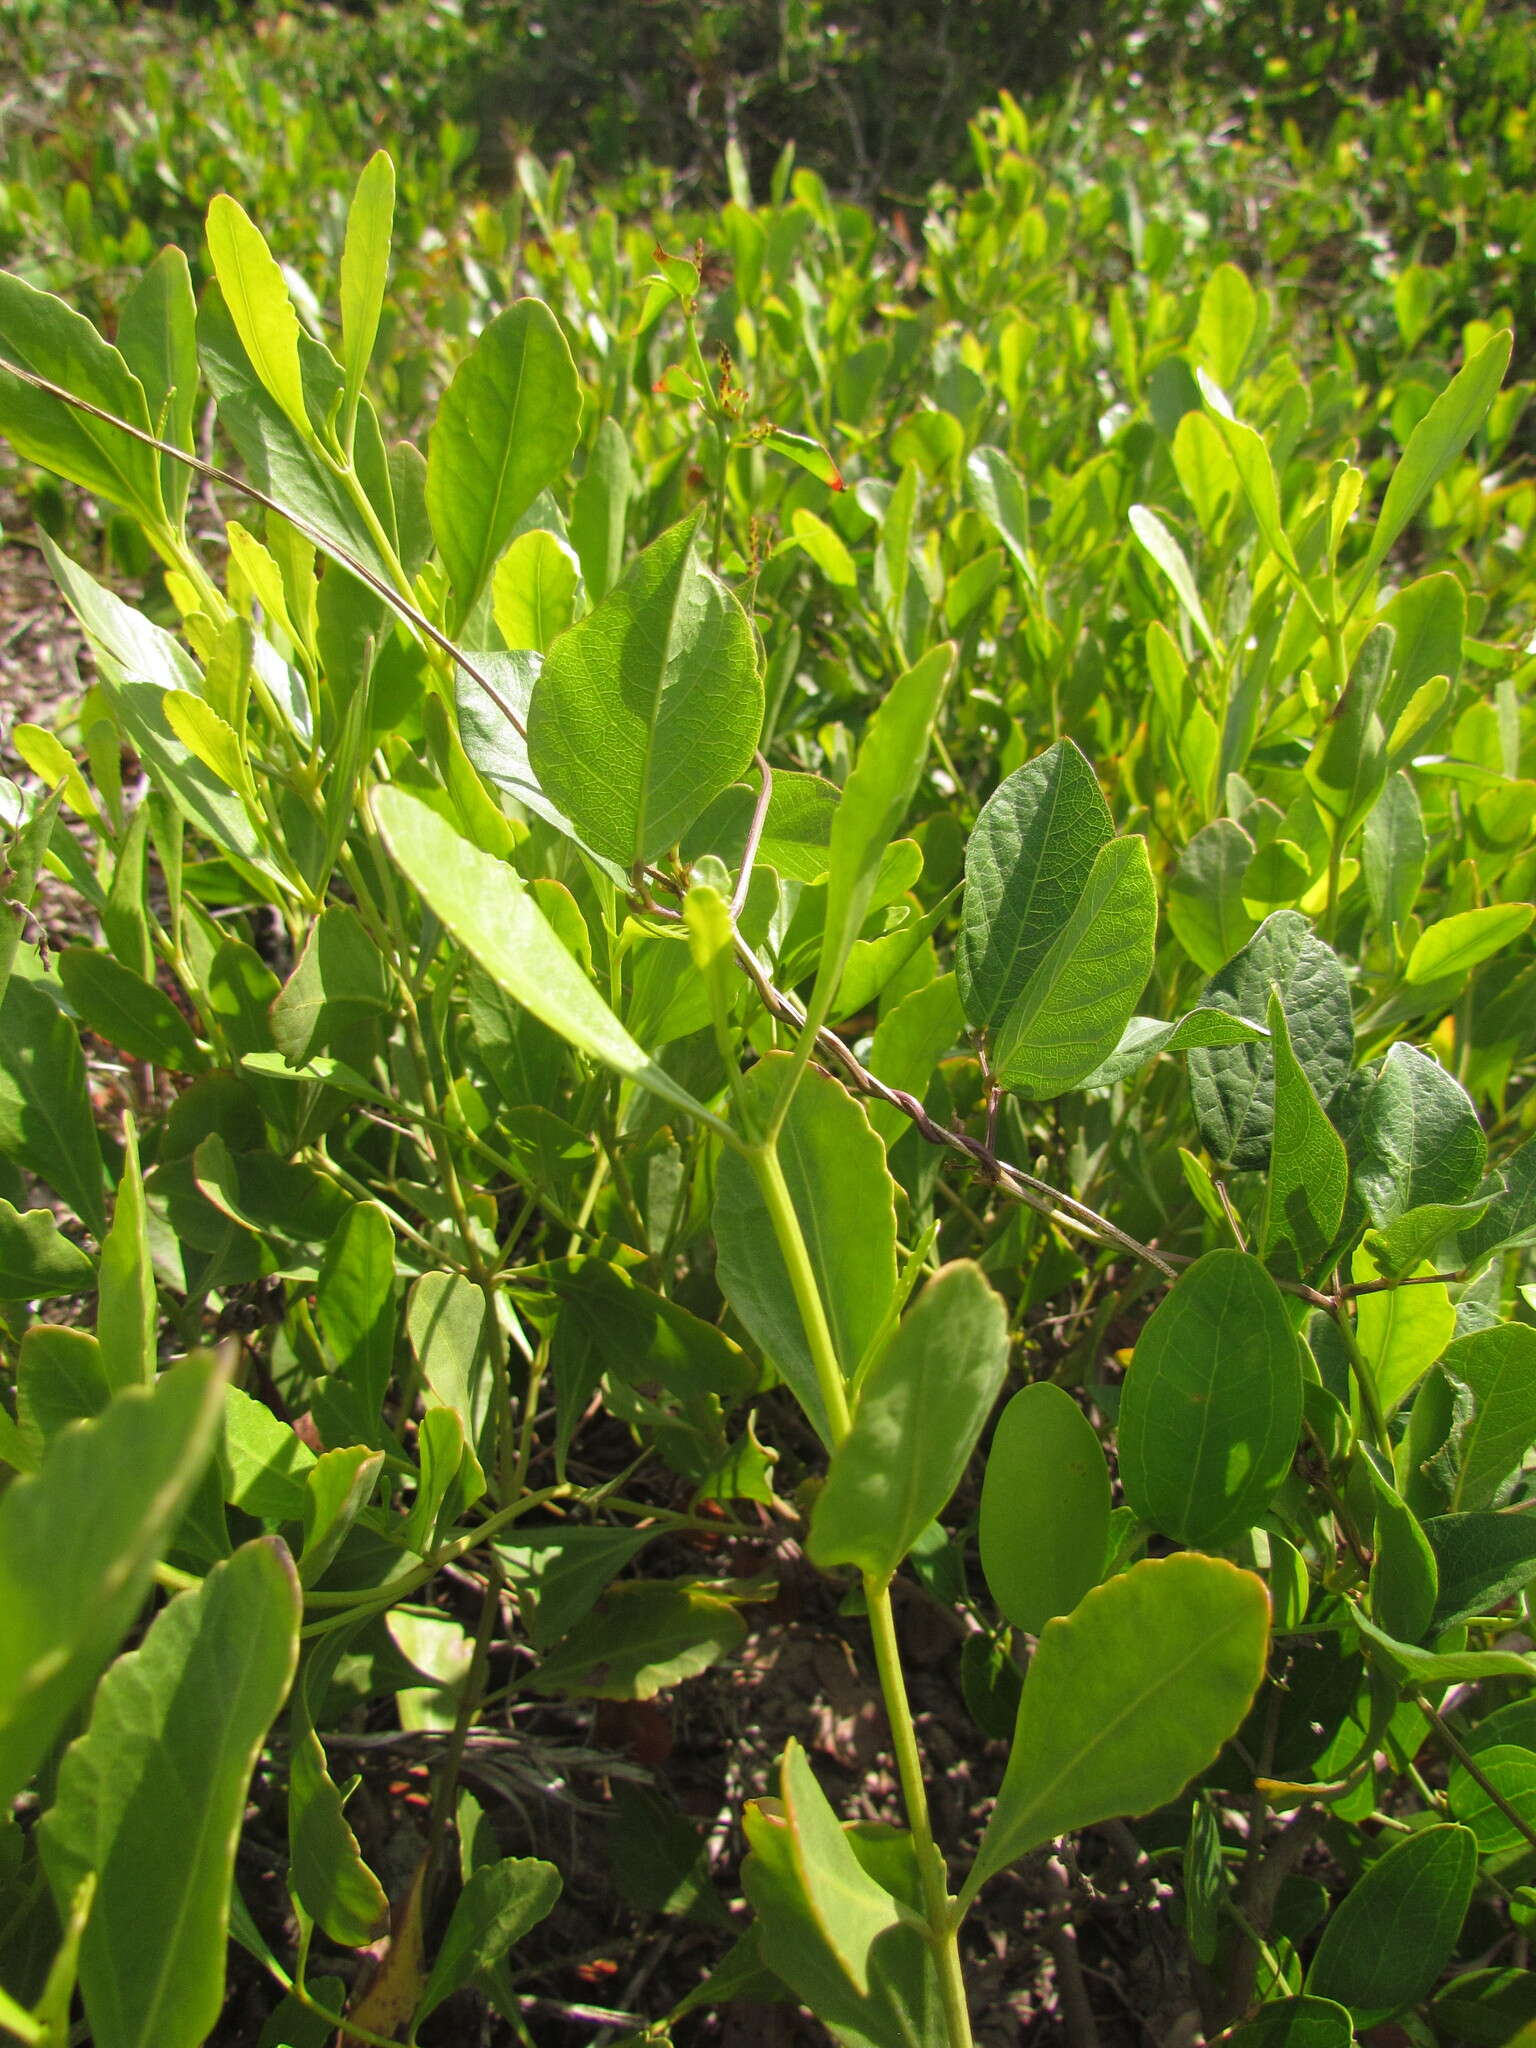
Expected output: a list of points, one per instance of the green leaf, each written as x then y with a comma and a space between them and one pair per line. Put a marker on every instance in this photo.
850, 1909
1174, 563
325, 1865
128, 1308
649, 707
496, 1908
826, 548
1401, 1331
1027, 864
1071, 1012
643, 1637
1227, 318
1404, 1576
1126, 1700
1499, 1365
127, 1012
807, 454
505, 430
1308, 1179
533, 590
365, 267
1417, 1137
340, 979
845, 1200
40, 333
355, 1301
257, 299
921, 1408
157, 335
37, 1261
484, 905
1256, 473
1393, 855
1511, 1772
60, 1378
71, 1582
1044, 1527
1295, 2023
1233, 1087
1211, 1408
1482, 1559
337, 1488
45, 1104
1205, 895
1435, 444
1145, 1037
560, 1573
598, 506
890, 764
1465, 940
150, 1799
264, 1462
1393, 1931
1000, 495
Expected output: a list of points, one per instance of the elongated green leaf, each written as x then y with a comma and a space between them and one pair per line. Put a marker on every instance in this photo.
139, 1019
1127, 1699
325, 1865
1001, 496
505, 430
355, 1301
1145, 1037
643, 1636
257, 298
921, 1407
1044, 1528
365, 267
851, 1910
598, 508
1071, 1012
1027, 864
128, 1309
845, 1200
1391, 1934
40, 333
70, 1582
1465, 940
1436, 442
495, 1910
890, 764
1211, 1409
37, 1261
1308, 1180
1174, 563
151, 1796
45, 1106
650, 707
483, 903
339, 979
1256, 472
1499, 1365
337, 1488
157, 335
1233, 1087
1394, 851
60, 1378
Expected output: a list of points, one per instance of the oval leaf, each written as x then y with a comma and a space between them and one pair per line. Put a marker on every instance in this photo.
1044, 1528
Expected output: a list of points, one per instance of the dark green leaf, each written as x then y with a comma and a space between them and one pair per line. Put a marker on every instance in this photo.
1417, 1138
1211, 1409
138, 1019
1308, 1179
1233, 1087
150, 1799
37, 1260
1499, 1365
1483, 1559
1044, 1528
495, 1910
1391, 1934
643, 1637
45, 1105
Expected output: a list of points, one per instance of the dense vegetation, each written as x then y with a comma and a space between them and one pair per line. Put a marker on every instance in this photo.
778, 955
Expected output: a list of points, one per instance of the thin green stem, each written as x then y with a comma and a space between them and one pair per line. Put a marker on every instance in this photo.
833, 1388
940, 1909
